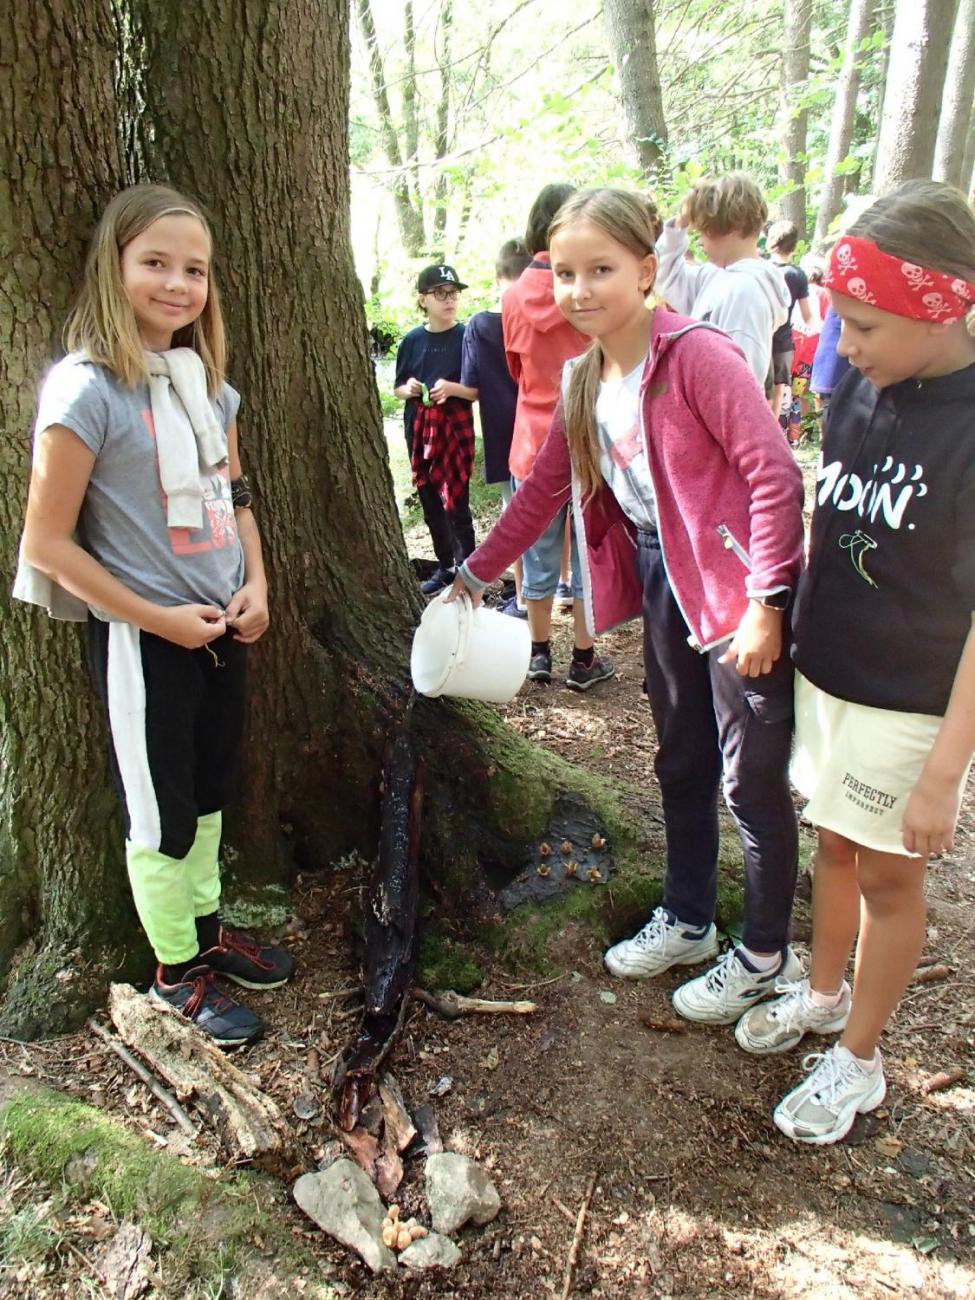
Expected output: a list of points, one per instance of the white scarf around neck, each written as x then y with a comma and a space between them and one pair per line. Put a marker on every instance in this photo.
189, 437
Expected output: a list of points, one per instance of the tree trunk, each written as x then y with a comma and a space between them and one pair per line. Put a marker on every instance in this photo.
844, 111
885, 24
968, 166
912, 97
442, 137
956, 111
797, 26
632, 41
65, 914
409, 214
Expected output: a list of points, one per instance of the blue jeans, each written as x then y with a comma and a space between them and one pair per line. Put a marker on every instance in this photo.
541, 564
716, 727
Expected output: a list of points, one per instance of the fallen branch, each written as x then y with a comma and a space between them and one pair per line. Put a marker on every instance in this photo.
452, 1005
247, 1122
943, 1079
664, 1024
570, 1263
931, 974
152, 1083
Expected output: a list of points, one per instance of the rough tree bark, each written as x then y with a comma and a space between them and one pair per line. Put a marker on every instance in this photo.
844, 111
442, 135
956, 111
65, 915
968, 166
797, 27
632, 40
912, 97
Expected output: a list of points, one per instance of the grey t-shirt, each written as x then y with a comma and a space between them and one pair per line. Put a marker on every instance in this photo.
123, 518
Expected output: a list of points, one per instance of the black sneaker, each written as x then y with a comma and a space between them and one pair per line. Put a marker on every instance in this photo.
237, 957
437, 580
198, 999
510, 607
540, 667
580, 678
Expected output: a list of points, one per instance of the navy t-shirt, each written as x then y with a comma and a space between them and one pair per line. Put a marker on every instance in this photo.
483, 366
428, 357
797, 282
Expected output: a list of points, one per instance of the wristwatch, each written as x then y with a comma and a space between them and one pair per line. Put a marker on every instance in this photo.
775, 600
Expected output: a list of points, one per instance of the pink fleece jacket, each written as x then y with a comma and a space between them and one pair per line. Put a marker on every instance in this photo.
728, 493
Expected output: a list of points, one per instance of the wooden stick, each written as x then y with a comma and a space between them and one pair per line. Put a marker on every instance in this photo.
664, 1025
931, 974
943, 1079
570, 1264
451, 1005
152, 1083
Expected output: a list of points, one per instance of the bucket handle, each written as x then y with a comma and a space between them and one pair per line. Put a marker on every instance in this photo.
465, 622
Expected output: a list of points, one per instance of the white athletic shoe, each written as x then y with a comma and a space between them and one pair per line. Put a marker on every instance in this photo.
721, 995
823, 1108
663, 942
780, 1024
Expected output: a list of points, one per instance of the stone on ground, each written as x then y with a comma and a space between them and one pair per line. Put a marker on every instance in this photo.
431, 1251
344, 1203
459, 1192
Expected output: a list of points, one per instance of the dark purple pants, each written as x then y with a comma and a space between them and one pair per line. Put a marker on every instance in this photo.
713, 723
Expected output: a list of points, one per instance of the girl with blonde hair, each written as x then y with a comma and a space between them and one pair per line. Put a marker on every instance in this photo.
139, 523
687, 506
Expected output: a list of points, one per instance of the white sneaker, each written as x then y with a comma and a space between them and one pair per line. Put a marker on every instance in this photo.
721, 995
824, 1107
661, 943
778, 1025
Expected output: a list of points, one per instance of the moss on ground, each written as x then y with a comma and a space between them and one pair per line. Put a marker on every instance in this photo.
446, 964
202, 1225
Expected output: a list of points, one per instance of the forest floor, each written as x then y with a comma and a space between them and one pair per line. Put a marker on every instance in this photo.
696, 1193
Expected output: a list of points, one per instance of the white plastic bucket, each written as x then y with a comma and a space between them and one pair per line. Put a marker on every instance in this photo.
477, 654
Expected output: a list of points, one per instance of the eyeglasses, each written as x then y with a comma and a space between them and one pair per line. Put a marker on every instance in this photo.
445, 295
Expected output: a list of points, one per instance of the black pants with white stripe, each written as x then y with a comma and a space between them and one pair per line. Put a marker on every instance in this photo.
176, 719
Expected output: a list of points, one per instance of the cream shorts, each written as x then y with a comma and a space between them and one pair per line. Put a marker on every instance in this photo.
857, 765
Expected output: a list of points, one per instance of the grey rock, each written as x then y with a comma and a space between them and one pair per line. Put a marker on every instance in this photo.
344, 1203
432, 1251
459, 1192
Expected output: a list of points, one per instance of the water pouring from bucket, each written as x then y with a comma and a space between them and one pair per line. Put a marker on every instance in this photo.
474, 654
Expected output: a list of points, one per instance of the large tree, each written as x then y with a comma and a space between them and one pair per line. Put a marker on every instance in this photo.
632, 42
330, 680
956, 111
915, 85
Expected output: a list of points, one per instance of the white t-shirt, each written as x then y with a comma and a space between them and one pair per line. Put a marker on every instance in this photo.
623, 453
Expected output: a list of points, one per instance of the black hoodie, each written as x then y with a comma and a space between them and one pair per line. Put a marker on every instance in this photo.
885, 605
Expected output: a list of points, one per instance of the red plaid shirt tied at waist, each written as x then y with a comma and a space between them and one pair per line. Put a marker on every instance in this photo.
443, 448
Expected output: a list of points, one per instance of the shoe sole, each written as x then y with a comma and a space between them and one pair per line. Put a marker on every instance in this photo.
787, 1126
691, 959
226, 1043
584, 686
753, 1045
546, 678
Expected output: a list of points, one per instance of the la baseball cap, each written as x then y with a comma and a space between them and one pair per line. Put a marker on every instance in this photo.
431, 277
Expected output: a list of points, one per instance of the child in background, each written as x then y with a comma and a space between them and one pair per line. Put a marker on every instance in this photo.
884, 641
735, 289
781, 241
484, 370
672, 452
139, 521
438, 423
538, 339
805, 336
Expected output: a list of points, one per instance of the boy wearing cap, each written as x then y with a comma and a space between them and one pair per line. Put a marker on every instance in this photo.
438, 421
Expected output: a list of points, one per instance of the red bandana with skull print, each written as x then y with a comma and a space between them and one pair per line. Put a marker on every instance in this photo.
858, 268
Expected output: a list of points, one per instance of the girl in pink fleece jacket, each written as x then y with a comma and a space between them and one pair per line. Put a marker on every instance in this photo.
687, 504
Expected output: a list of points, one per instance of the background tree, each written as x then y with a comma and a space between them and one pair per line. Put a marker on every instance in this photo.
915, 85
797, 29
633, 44
956, 111
64, 910
844, 112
